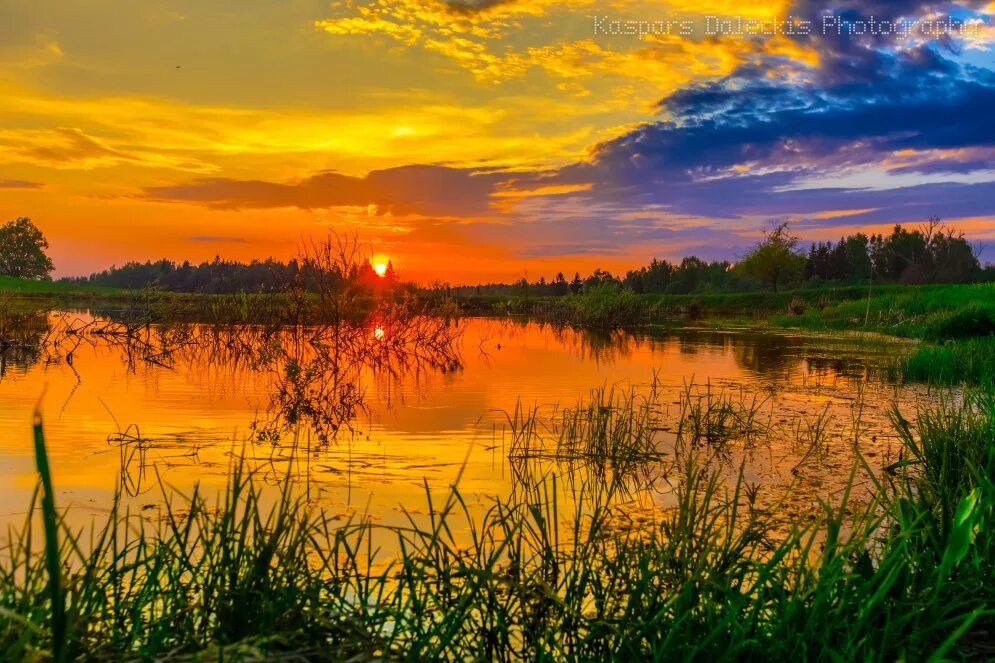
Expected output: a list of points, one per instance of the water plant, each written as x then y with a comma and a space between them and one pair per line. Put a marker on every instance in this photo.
903, 575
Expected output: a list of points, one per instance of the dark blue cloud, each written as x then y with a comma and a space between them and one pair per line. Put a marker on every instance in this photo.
742, 145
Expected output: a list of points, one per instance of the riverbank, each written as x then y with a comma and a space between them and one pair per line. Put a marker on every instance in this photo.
33, 289
955, 322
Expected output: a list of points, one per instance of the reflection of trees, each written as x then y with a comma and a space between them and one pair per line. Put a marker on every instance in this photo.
851, 368
317, 342
774, 356
22, 327
767, 355
18, 356
315, 374
603, 346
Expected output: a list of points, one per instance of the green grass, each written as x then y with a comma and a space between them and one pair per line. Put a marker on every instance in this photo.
906, 577
957, 323
757, 304
31, 288
969, 361
938, 312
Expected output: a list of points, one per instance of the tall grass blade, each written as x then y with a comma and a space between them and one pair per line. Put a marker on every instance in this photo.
52, 555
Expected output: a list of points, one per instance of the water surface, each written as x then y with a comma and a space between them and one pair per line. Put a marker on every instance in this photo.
425, 420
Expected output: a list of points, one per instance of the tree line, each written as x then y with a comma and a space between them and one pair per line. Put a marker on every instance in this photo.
932, 253
227, 276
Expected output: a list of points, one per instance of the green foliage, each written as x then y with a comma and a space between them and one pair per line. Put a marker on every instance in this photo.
972, 321
32, 288
606, 305
929, 255
970, 361
776, 260
22, 251
953, 449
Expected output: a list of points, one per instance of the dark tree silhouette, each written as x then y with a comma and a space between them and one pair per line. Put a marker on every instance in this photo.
22, 250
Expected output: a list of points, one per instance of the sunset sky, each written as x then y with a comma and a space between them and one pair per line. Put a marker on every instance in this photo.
472, 140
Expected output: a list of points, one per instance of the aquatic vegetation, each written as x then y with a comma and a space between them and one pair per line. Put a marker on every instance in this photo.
605, 306
906, 576
614, 425
612, 438
715, 419
970, 361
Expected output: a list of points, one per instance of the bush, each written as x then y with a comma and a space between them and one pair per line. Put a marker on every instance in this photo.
694, 310
607, 305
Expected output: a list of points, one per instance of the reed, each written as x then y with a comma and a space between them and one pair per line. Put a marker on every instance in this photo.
615, 426
970, 361
717, 418
53, 556
903, 575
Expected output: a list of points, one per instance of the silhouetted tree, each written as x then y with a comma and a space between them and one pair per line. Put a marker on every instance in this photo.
390, 277
856, 248
560, 285
22, 250
953, 259
597, 278
576, 285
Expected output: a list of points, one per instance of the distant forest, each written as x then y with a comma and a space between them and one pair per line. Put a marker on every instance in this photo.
227, 276
931, 254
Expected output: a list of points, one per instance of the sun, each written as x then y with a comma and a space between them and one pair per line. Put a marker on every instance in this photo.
380, 268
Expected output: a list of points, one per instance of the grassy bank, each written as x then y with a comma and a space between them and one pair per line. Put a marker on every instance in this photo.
936, 313
957, 322
919, 311
907, 577
54, 289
